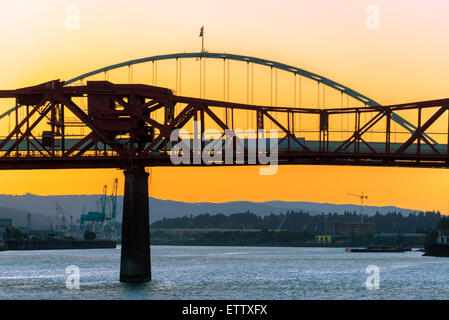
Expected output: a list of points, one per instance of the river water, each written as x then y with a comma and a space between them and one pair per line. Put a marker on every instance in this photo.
184, 272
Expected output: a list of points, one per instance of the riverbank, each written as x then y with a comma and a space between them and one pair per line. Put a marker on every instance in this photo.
256, 238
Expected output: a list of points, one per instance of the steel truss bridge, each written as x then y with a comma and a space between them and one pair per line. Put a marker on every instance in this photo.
121, 132
99, 124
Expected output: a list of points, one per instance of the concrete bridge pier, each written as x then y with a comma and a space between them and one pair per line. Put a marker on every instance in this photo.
135, 264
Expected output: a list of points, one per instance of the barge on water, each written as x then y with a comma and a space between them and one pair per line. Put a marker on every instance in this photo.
436, 250
439, 246
56, 244
376, 249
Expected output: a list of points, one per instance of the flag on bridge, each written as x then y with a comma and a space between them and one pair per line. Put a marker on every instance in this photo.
202, 38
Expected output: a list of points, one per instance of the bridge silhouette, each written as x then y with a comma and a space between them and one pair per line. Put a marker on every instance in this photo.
132, 126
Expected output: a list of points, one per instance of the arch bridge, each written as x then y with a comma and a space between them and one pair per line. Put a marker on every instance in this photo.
100, 124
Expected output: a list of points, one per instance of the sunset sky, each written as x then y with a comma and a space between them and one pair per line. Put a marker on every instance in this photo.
406, 59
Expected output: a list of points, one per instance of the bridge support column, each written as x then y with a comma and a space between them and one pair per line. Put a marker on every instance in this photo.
135, 264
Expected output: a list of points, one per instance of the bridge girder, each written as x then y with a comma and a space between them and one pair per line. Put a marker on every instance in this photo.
122, 131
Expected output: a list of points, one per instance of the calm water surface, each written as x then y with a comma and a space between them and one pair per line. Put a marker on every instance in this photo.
181, 272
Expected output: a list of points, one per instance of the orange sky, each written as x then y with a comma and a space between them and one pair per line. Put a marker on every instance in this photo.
405, 60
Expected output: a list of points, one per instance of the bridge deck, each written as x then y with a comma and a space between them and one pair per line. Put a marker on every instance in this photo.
283, 146
104, 157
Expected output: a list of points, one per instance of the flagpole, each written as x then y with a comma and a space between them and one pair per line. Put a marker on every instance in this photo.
202, 39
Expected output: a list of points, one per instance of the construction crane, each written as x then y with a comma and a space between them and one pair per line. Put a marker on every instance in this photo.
362, 197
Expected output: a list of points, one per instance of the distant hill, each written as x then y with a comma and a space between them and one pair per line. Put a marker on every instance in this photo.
301, 221
19, 218
43, 207
171, 209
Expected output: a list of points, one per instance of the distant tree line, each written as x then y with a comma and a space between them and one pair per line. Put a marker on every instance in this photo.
233, 238
303, 221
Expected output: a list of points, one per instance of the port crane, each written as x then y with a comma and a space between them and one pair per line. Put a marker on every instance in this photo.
109, 209
102, 221
362, 197
61, 214
111, 216
103, 200
113, 201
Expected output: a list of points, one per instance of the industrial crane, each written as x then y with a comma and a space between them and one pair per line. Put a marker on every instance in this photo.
109, 210
101, 203
114, 200
113, 209
362, 197
61, 214
102, 220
